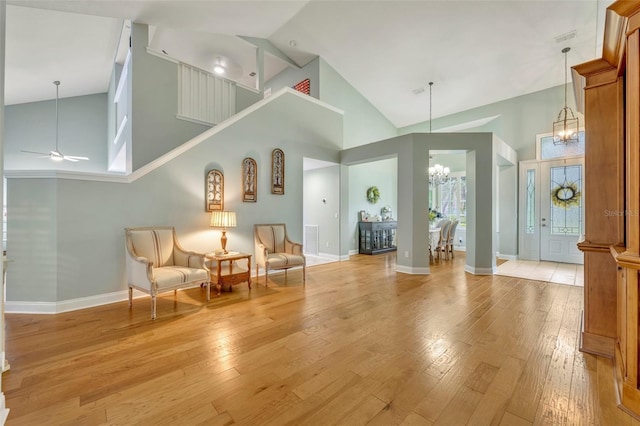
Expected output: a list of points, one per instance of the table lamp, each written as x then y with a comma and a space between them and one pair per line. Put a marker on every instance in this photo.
224, 220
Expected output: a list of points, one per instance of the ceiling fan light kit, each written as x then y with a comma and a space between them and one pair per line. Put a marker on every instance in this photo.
56, 155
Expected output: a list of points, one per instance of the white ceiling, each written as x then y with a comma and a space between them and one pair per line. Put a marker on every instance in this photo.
476, 52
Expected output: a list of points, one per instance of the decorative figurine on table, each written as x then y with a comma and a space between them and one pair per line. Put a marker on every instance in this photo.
386, 213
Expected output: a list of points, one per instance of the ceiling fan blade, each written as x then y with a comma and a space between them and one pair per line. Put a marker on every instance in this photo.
35, 152
70, 159
75, 157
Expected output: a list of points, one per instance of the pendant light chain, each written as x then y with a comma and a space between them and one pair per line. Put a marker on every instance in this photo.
57, 83
566, 76
430, 103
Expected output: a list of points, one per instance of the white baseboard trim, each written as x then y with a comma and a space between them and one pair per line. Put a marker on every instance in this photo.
18, 307
480, 271
462, 248
352, 252
413, 271
507, 257
327, 256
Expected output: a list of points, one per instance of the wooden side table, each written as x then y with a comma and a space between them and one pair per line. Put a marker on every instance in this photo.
232, 273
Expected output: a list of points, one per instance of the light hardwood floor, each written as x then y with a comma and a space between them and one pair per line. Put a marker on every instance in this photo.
359, 344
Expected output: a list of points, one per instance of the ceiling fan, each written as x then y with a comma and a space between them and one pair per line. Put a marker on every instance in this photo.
56, 155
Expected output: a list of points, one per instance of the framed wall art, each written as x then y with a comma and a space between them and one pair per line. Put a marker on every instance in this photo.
214, 191
249, 180
277, 172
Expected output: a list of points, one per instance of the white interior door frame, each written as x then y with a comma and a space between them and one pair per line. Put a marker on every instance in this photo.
561, 245
531, 215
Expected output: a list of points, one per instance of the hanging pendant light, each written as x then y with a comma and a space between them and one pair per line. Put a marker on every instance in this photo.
438, 174
566, 127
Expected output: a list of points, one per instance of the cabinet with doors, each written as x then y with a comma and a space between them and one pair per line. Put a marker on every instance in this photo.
377, 237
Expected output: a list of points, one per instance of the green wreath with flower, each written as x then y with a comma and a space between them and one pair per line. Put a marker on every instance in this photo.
373, 194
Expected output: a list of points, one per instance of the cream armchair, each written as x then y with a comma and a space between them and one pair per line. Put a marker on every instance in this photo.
275, 251
156, 263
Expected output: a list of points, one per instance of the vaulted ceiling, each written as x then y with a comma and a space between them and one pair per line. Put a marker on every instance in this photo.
476, 52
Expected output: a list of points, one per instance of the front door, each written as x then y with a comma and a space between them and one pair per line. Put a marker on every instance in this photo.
561, 210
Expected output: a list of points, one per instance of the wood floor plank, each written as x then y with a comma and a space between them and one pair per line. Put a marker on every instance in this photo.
553, 407
525, 398
414, 419
583, 401
432, 406
493, 404
358, 344
404, 398
512, 420
611, 414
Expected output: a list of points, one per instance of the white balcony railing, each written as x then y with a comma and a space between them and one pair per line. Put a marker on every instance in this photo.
203, 97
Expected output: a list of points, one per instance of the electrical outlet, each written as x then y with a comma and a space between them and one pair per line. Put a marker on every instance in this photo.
327, 244
406, 254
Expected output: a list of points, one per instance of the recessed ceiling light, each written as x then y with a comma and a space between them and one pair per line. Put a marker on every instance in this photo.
218, 69
292, 43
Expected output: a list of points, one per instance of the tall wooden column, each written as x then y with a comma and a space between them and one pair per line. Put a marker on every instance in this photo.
612, 181
604, 203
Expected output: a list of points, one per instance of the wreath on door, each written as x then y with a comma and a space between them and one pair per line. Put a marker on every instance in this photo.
373, 194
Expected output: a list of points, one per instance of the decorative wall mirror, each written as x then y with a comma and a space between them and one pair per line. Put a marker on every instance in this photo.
249, 180
214, 191
277, 171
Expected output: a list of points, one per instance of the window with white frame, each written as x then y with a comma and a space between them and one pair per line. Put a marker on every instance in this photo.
449, 198
546, 149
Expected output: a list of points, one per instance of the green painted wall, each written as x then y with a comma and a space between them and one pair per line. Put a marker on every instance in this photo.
291, 76
82, 131
380, 173
520, 119
79, 224
363, 123
154, 84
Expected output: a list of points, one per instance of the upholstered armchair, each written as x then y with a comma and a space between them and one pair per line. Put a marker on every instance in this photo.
274, 250
156, 263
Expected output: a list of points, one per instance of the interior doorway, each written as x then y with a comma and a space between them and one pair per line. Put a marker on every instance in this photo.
320, 211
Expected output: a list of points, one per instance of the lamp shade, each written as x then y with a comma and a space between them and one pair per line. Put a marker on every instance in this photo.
222, 219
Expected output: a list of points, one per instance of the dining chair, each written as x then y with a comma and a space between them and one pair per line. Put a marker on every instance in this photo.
451, 237
441, 247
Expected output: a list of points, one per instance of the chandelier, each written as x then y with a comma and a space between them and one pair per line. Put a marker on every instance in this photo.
438, 174
565, 128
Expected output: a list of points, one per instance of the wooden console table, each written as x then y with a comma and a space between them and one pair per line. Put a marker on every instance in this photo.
229, 274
